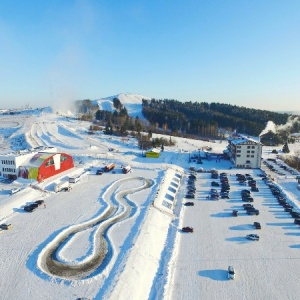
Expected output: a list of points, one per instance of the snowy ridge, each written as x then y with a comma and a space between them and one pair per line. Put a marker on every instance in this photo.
132, 102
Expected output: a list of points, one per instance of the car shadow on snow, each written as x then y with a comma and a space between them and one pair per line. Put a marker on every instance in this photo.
281, 224
293, 233
242, 227
239, 239
295, 246
222, 215
220, 275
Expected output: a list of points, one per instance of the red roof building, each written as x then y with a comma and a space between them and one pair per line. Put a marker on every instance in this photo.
44, 165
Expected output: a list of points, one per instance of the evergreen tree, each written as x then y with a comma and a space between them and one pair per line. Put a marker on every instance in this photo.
285, 148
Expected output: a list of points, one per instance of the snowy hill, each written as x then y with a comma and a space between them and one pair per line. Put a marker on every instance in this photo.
132, 102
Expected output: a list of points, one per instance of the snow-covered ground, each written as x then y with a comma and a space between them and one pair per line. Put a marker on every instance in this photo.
147, 256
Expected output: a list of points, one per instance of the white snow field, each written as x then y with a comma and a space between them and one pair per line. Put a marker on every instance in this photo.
112, 237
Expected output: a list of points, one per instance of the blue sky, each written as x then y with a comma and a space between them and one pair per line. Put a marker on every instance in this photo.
244, 53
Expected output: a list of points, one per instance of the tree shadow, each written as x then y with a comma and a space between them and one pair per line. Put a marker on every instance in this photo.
218, 274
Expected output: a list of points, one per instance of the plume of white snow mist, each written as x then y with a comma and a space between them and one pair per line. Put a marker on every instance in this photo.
289, 124
271, 126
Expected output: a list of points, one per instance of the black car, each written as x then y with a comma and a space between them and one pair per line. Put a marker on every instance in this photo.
189, 203
245, 192
224, 196
190, 196
257, 225
39, 202
31, 207
187, 229
295, 214
253, 212
254, 189
99, 172
247, 199
297, 221
214, 183
247, 206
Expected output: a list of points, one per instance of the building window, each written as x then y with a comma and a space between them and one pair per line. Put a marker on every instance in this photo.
253, 147
248, 147
238, 147
238, 151
252, 155
247, 161
238, 155
248, 151
63, 158
248, 155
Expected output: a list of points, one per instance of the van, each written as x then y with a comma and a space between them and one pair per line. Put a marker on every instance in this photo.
74, 179
126, 169
231, 272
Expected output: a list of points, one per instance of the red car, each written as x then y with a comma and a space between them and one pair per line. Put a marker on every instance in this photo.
187, 229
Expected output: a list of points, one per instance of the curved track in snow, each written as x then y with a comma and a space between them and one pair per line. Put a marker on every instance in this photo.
50, 264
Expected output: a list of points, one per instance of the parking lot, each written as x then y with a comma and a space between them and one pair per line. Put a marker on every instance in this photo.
219, 240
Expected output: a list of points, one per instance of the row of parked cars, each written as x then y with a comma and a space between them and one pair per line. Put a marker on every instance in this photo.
223, 184
247, 179
282, 200
190, 194
276, 165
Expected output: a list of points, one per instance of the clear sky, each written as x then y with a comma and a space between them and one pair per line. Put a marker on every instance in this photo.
241, 52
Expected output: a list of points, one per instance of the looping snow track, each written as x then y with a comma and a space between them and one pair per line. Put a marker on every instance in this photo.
48, 261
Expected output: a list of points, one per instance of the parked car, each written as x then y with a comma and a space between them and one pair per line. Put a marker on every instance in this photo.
189, 203
39, 202
297, 221
247, 199
190, 196
31, 207
214, 196
245, 192
235, 213
99, 172
253, 237
187, 229
253, 212
256, 225
254, 189
214, 183
247, 206
231, 272
295, 214
5, 226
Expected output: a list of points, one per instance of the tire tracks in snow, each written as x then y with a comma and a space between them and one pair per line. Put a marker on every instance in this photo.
47, 260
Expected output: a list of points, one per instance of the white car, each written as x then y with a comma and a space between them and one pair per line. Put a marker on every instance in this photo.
253, 237
230, 272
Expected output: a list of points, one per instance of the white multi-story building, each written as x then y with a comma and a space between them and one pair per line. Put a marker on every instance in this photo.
244, 152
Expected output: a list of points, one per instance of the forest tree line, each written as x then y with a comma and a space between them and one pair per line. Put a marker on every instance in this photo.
188, 119
205, 119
